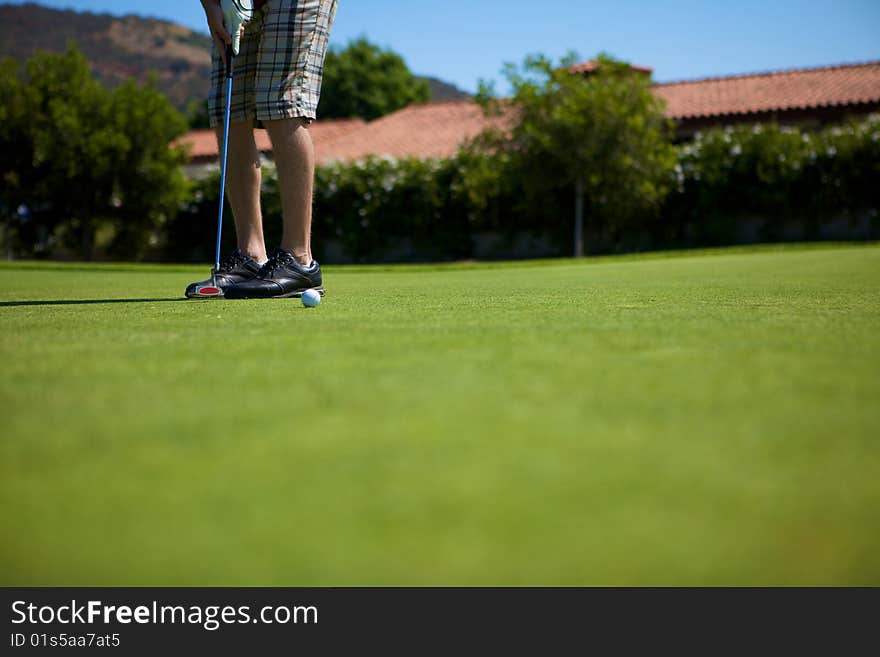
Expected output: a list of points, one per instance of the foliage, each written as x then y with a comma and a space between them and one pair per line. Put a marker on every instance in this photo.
82, 164
376, 209
366, 81
16, 145
395, 207
607, 131
197, 115
84, 159
793, 180
794, 183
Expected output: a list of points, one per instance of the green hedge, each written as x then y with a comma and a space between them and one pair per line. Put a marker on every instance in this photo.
733, 185
388, 210
766, 183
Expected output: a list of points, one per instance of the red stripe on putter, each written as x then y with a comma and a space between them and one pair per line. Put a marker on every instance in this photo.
209, 290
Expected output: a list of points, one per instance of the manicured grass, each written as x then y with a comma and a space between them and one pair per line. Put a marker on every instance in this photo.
696, 419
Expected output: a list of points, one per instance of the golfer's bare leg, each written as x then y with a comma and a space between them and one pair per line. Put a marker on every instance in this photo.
243, 188
295, 159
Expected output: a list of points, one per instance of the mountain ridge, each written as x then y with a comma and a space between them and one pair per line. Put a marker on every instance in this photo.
122, 47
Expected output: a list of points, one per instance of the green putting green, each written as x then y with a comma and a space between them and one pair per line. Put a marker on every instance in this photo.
695, 418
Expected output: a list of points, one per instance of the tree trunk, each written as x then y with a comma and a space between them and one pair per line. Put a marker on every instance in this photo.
579, 218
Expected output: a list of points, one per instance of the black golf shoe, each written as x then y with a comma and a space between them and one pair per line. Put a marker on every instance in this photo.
282, 276
234, 268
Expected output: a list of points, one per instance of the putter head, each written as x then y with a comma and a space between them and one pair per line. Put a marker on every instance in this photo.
209, 290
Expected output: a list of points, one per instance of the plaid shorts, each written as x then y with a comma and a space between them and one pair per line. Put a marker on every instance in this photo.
277, 72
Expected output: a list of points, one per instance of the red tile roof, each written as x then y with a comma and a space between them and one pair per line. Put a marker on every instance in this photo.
438, 129
767, 92
325, 131
203, 143
424, 131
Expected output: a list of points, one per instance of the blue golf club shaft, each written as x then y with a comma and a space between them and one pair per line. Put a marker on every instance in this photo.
226, 115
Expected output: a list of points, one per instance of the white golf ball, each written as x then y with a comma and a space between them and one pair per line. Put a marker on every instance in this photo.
311, 298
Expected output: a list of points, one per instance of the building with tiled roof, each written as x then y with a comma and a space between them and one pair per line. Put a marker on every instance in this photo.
808, 97
203, 152
433, 130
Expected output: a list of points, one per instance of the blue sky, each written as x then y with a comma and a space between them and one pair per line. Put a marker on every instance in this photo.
463, 41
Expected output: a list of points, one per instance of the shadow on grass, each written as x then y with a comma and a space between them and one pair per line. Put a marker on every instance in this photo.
78, 302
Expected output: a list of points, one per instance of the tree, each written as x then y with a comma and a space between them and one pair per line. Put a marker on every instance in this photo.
84, 158
605, 135
365, 81
15, 144
197, 115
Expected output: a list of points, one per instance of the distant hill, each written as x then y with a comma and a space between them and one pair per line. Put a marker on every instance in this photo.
119, 48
